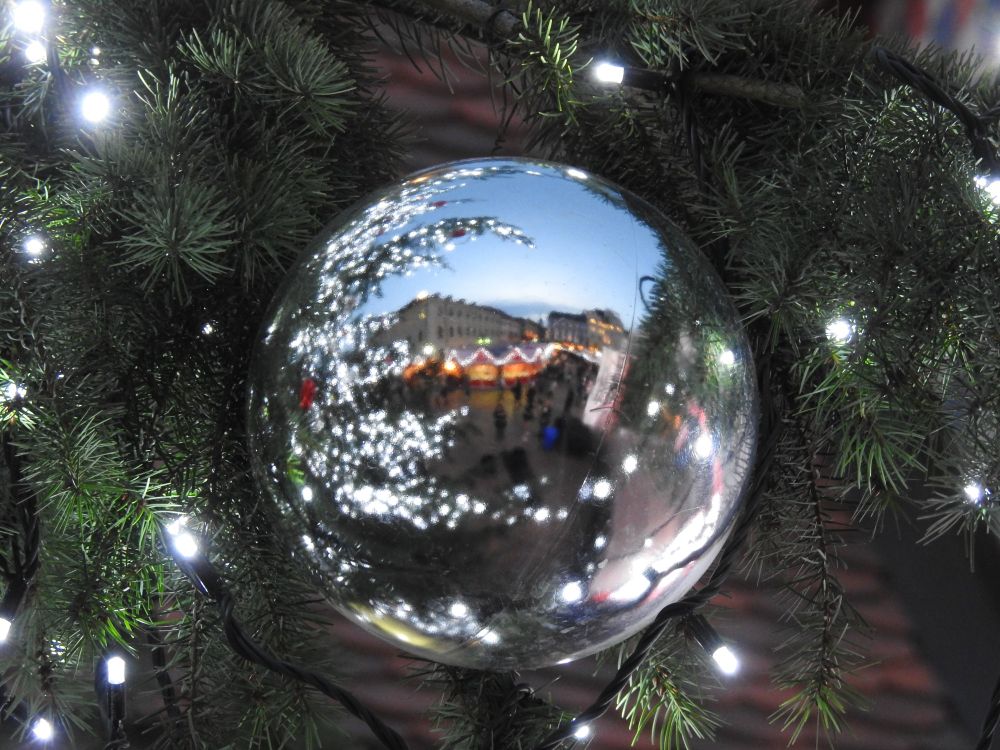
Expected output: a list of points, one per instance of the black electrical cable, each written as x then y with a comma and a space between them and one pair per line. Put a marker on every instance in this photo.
210, 583
976, 126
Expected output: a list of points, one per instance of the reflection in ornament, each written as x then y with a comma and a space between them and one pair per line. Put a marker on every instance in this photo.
507, 411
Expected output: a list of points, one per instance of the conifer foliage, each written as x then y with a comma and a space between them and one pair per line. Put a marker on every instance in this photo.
138, 254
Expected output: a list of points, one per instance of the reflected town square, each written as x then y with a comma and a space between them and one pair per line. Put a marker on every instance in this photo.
507, 411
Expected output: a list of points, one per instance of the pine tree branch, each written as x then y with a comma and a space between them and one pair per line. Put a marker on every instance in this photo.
501, 24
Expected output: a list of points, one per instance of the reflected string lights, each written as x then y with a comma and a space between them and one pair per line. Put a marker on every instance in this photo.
489, 446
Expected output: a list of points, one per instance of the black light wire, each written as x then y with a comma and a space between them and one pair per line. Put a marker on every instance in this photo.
208, 581
976, 126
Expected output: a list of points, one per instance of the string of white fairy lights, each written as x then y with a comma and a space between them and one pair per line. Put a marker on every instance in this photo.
94, 106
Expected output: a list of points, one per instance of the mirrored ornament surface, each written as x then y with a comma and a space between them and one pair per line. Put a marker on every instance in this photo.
507, 411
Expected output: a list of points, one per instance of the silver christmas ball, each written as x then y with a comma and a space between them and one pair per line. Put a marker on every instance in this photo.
507, 411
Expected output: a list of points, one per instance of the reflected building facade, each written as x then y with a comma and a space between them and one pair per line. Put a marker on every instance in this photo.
593, 329
441, 322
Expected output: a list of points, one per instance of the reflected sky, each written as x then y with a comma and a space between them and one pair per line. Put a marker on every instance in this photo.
519, 278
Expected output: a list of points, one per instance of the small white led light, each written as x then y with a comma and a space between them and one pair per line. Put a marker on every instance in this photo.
974, 491
42, 729
29, 16
34, 246
630, 463
307, 493
652, 408
35, 52
186, 545
116, 670
727, 358
95, 106
606, 72
839, 330
5, 625
991, 185
458, 609
582, 732
726, 660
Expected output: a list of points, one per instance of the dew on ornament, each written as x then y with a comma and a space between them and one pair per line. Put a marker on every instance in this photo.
704, 446
571, 592
632, 590
602, 489
490, 637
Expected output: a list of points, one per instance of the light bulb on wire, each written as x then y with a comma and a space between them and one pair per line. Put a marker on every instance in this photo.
95, 106
29, 16
34, 246
116, 670
840, 330
183, 541
35, 52
5, 626
42, 729
606, 72
727, 662
582, 732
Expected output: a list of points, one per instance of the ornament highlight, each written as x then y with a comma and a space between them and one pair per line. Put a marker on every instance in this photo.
507, 411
